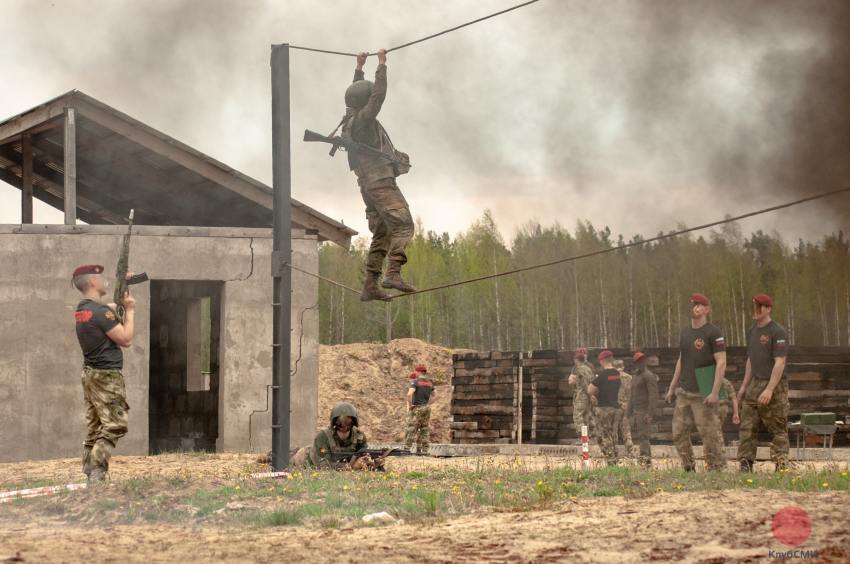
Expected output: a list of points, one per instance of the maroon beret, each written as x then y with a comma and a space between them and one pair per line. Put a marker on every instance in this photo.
605, 354
421, 368
639, 356
763, 300
87, 269
701, 299
412, 375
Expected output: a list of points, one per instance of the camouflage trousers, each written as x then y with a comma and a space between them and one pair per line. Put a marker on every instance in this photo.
623, 430
605, 422
390, 224
106, 416
418, 427
774, 417
691, 413
583, 415
642, 429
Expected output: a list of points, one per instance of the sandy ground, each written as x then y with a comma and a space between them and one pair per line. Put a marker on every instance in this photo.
718, 527
375, 378
696, 527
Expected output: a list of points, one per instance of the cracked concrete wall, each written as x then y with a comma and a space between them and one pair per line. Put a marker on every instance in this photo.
41, 407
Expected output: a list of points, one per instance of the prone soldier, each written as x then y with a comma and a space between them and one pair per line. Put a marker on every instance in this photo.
643, 406
342, 435
420, 395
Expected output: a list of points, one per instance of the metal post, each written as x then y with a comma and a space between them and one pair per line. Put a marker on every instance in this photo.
519, 402
26, 178
282, 298
69, 164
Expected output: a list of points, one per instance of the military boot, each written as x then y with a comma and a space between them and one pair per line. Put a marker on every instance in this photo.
97, 475
393, 280
371, 291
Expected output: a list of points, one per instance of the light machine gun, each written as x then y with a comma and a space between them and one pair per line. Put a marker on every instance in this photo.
122, 283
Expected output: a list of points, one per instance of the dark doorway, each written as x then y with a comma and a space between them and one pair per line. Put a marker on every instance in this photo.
185, 329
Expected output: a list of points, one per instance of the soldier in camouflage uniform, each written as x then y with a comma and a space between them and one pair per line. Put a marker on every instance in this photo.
731, 399
342, 436
386, 209
622, 424
101, 335
764, 390
702, 357
580, 378
604, 392
420, 395
643, 406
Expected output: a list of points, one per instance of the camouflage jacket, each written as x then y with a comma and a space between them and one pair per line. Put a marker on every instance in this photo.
328, 442
625, 393
584, 375
362, 125
644, 393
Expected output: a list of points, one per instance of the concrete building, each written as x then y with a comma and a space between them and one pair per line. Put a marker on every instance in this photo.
198, 372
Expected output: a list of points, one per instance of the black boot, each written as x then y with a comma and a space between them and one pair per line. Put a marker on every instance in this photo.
747, 465
393, 280
371, 291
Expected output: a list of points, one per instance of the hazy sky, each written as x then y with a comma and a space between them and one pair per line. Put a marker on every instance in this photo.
636, 114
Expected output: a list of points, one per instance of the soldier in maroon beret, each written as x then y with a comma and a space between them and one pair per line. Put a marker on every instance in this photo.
764, 391
696, 383
101, 335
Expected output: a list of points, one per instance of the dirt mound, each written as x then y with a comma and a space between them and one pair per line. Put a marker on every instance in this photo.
375, 378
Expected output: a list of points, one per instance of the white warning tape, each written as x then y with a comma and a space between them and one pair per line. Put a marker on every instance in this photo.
270, 475
37, 492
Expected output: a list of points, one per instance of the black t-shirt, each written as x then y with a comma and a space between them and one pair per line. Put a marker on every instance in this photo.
608, 382
93, 321
764, 345
698, 347
422, 389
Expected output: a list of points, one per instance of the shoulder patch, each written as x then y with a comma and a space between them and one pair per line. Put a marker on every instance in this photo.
109, 315
83, 316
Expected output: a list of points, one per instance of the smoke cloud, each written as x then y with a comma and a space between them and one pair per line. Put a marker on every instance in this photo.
639, 115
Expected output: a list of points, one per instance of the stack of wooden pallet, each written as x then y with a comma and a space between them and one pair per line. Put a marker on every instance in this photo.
484, 397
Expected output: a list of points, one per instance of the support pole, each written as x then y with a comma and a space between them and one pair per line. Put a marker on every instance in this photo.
519, 402
26, 178
282, 255
70, 166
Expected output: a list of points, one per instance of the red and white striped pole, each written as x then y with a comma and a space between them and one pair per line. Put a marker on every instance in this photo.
585, 448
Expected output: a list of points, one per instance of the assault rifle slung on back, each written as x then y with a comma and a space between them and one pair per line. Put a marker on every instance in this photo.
351, 146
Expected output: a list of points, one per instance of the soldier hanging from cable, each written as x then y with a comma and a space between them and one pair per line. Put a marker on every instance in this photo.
386, 209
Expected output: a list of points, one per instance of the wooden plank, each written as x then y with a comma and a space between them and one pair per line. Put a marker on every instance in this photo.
464, 425
26, 178
482, 410
69, 165
12, 129
478, 376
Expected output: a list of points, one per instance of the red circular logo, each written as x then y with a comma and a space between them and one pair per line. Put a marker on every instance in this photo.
791, 526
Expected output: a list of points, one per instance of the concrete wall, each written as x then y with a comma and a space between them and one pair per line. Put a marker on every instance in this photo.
41, 407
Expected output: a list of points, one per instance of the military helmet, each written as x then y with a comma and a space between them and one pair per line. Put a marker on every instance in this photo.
342, 410
358, 93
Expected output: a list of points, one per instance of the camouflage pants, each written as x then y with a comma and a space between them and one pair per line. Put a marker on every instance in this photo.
583, 415
692, 413
418, 427
605, 423
774, 416
623, 430
390, 224
641, 432
106, 415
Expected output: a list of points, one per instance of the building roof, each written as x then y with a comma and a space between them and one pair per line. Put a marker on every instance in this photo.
123, 163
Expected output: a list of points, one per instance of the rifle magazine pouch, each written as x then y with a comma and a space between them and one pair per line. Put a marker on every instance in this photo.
401, 165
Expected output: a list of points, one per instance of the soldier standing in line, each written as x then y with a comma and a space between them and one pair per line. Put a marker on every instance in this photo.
386, 209
643, 406
764, 390
622, 425
101, 335
700, 369
420, 395
604, 391
581, 376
